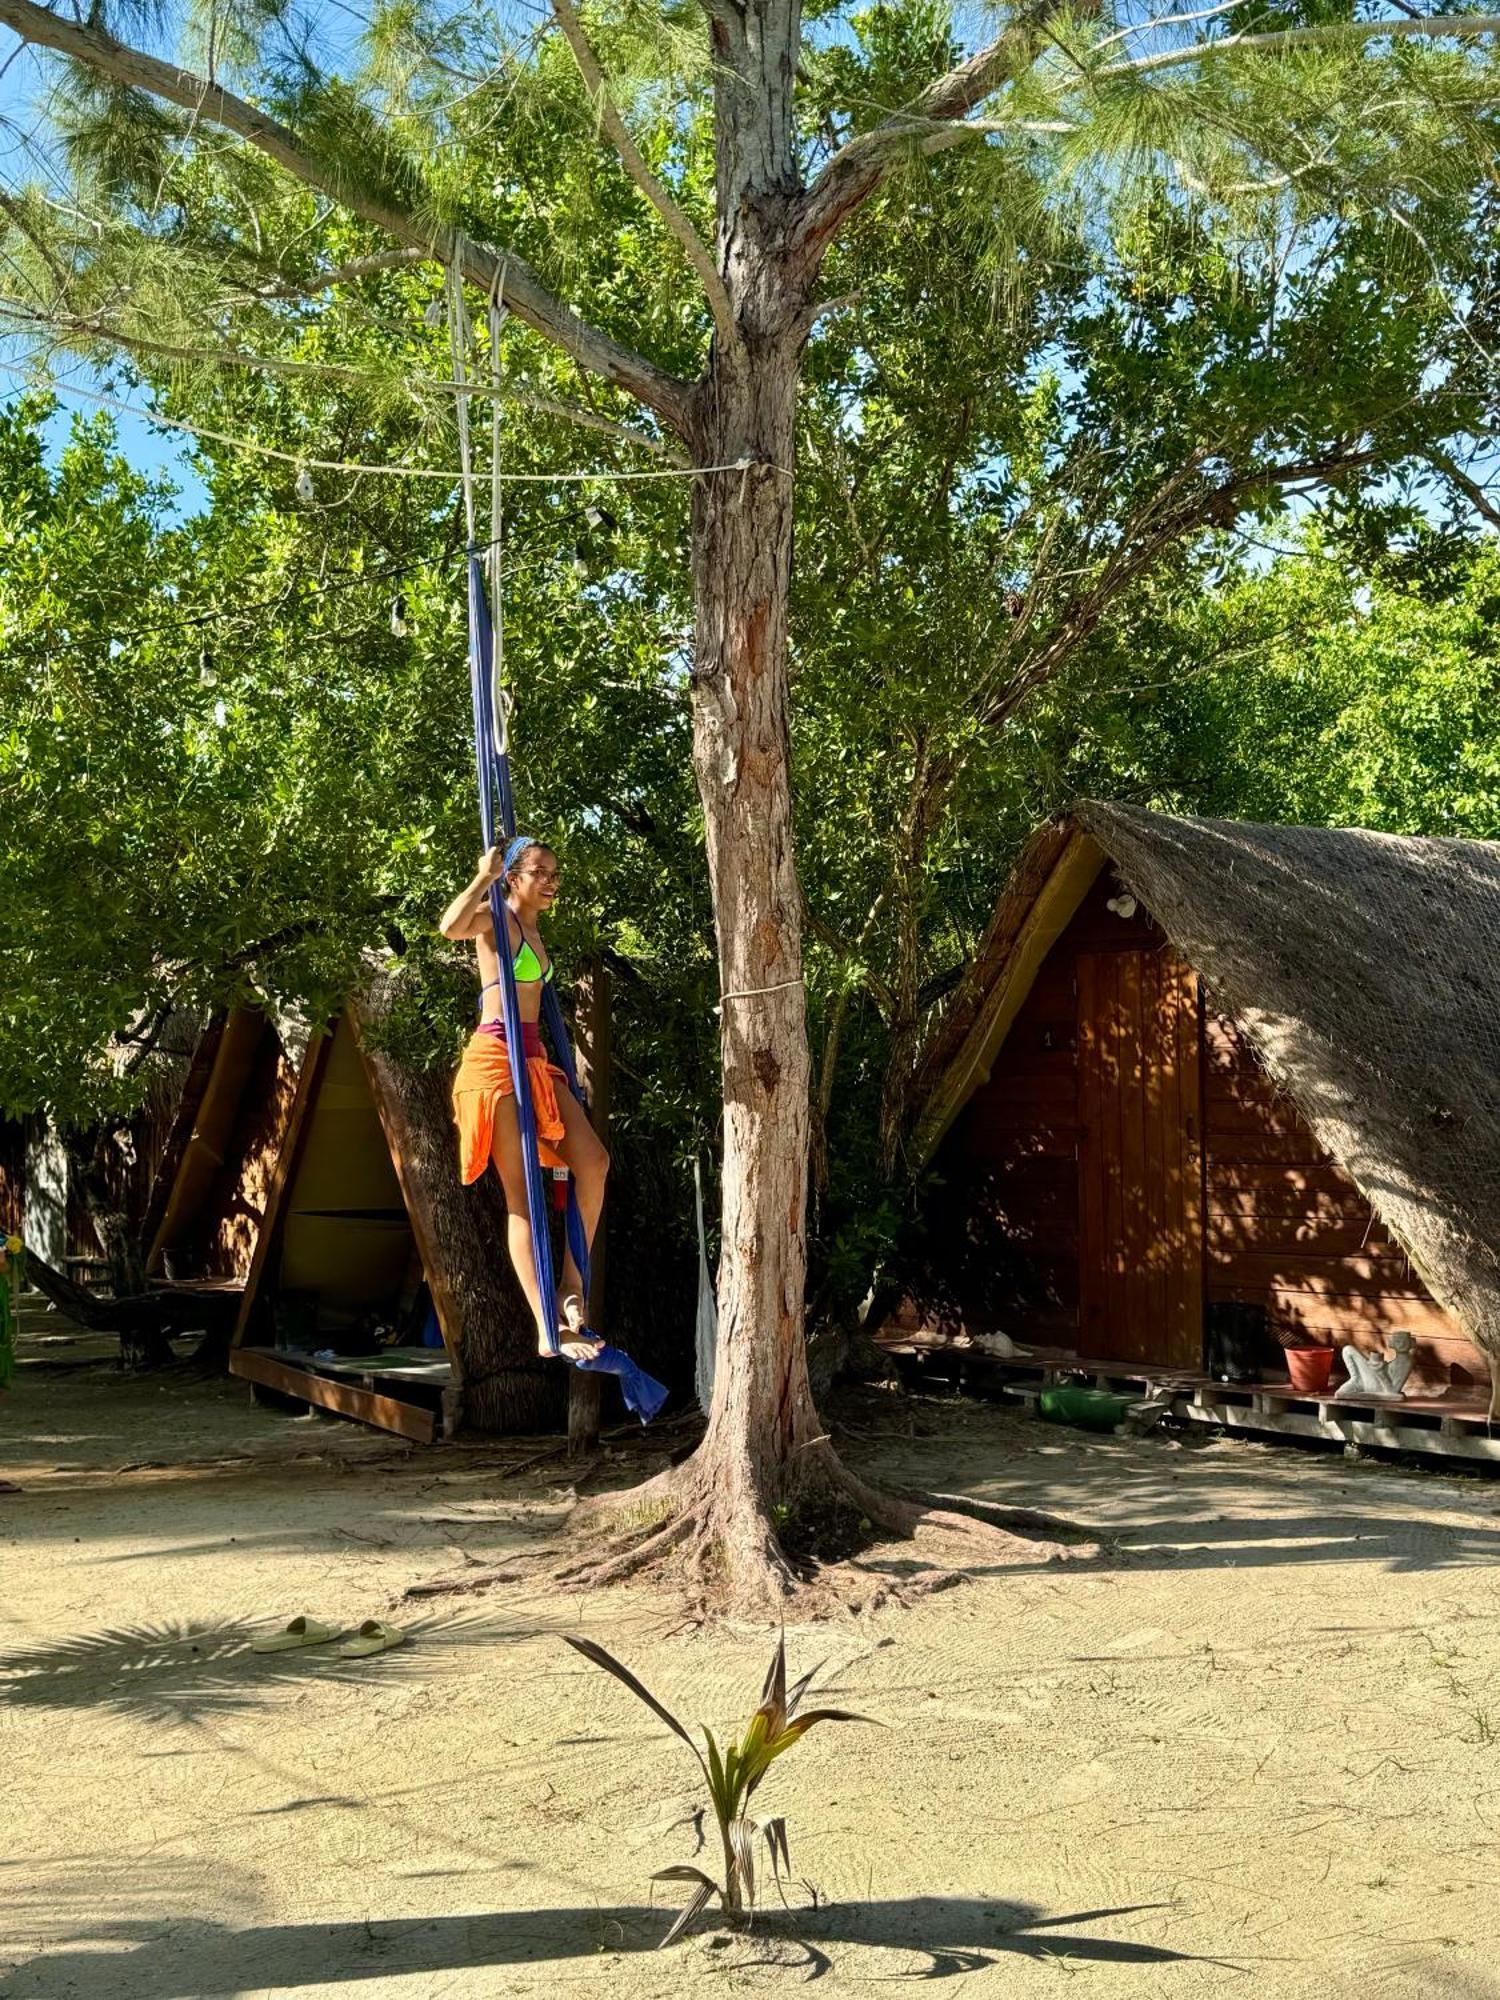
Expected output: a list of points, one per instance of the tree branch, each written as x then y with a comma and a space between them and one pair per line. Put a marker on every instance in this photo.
825, 933
857, 169
358, 267
16, 211
492, 269
655, 191
1458, 27
275, 364
1471, 489
142, 1039
1132, 558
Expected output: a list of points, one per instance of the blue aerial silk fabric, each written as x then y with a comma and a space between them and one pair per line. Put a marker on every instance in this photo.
643, 1394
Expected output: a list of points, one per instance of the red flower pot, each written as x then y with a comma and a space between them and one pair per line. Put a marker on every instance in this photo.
1309, 1368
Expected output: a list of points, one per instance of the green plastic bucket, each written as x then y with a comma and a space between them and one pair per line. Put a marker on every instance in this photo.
1093, 1409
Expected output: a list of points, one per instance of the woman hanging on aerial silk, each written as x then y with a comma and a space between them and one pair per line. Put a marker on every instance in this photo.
484, 1089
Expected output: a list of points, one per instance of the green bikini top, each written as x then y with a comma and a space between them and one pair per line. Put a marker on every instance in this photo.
526, 966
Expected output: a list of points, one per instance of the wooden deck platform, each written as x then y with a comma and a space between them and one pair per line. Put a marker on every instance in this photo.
400, 1389
1452, 1426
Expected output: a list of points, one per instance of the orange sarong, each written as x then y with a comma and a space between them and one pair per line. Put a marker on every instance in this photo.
484, 1076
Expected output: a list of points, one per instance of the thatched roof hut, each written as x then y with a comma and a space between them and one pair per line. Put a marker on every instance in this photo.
366, 1223
1363, 969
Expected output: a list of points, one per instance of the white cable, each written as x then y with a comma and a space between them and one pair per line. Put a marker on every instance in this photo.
757, 993
500, 699
458, 334
47, 380
706, 1325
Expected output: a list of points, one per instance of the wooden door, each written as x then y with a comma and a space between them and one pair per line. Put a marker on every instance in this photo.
1140, 1159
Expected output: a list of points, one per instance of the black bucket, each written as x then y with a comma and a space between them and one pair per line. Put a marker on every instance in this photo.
1234, 1340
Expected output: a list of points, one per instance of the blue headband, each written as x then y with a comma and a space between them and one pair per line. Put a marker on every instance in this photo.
517, 848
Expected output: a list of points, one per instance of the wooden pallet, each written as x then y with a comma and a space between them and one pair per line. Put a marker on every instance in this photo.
342, 1387
1441, 1427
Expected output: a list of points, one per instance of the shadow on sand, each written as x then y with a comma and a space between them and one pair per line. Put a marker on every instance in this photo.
927, 1937
188, 1670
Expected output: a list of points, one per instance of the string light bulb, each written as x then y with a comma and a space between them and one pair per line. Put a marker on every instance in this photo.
305, 490
399, 626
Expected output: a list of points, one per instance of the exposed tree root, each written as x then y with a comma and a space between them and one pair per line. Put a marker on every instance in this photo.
751, 1555
629, 1554
462, 1586
738, 1550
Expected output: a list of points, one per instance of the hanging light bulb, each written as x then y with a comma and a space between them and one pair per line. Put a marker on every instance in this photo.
593, 515
580, 566
398, 618
306, 491
206, 675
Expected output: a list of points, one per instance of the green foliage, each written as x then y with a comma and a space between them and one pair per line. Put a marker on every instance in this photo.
1073, 359
1311, 694
733, 1775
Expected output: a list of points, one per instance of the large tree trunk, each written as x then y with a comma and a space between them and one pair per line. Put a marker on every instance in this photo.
742, 565
762, 1408
765, 1488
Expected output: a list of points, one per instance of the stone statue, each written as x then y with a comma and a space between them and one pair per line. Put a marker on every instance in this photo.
1001, 1346
1379, 1374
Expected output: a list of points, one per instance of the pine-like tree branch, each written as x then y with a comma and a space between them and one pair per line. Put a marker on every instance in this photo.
1442, 27
491, 269
72, 327
16, 212
857, 169
655, 191
345, 274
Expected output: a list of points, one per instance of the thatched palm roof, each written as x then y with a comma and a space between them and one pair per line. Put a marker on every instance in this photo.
1365, 970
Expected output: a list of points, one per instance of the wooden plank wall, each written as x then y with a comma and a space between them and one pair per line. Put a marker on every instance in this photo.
1010, 1163
230, 1221
1286, 1227
1283, 1225
1139, 1161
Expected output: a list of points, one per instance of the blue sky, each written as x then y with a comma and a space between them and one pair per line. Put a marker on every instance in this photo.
147, 447
26, 154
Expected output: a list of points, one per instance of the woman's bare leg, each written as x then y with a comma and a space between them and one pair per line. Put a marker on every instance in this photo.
505, 1157
583, 1151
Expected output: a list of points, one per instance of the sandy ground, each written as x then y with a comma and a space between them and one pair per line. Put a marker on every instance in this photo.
1258, 1745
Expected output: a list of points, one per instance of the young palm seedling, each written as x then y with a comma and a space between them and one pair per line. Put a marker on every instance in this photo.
733, 1775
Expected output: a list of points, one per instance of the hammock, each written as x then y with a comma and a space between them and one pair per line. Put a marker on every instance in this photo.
497, 812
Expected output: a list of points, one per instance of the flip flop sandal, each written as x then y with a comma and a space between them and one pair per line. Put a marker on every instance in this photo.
300, 1632
374, 1636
